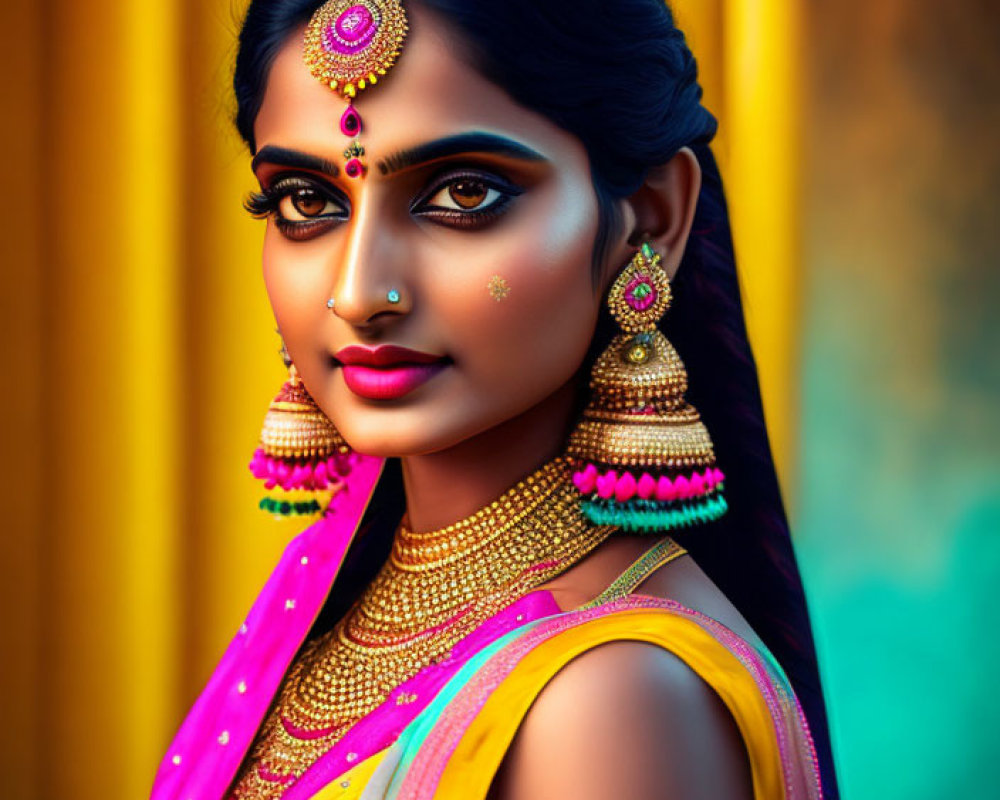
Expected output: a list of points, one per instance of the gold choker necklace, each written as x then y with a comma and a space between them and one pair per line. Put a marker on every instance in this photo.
435, 589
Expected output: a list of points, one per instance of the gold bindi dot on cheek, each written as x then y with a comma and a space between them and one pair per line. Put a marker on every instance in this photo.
499, 288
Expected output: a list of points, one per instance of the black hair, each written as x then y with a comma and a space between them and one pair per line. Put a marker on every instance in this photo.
620, 77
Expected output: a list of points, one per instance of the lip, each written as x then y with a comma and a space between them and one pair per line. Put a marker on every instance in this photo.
387, 372
385, 355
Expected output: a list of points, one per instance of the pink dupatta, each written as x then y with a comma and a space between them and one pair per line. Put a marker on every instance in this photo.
209, 748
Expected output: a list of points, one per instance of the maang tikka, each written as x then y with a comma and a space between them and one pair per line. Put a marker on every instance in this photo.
349, 45
644, 459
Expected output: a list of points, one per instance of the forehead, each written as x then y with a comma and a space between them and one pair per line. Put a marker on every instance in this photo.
430, 93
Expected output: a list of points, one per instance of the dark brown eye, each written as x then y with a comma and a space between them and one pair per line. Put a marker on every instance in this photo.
304, 203
466, 200
309, 202
468, 193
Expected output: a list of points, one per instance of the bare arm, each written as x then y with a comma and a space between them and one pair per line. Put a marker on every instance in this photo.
628, 721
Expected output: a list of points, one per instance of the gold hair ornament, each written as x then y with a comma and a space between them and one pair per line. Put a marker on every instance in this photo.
349, 46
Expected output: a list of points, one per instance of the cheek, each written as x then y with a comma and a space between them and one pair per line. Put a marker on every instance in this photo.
534, 339
297, 282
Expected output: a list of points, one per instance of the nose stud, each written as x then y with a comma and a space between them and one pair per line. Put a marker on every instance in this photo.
392, 296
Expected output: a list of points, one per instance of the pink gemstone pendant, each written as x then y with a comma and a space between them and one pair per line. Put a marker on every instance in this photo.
354, 168
350, 122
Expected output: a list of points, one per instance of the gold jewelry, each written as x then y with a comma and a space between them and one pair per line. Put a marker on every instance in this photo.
349, 45
644, 459
434, 590
302, 458
499, 288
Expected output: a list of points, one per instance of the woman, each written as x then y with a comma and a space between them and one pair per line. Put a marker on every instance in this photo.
469, 206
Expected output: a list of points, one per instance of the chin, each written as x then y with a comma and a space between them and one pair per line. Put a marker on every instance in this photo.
400, 432
437, 417
432, 419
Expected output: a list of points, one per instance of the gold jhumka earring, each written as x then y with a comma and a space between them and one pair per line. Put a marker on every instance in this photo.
643, 458
302, 459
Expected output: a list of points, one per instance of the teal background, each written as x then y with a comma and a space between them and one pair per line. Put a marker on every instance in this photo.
897, 502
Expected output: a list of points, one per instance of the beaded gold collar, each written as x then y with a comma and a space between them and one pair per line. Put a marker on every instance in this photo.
435, 589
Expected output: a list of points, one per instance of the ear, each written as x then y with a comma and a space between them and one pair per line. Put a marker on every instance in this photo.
663, 208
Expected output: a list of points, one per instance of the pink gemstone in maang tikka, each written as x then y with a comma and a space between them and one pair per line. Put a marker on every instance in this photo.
350, 122
351, 32
354, 168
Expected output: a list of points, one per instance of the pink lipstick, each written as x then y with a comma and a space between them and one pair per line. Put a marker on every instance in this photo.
387, 372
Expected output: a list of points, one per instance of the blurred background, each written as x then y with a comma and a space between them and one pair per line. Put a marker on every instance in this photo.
859, 146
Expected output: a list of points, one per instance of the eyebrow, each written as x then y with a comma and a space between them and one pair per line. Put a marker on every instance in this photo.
474, 142
282, 156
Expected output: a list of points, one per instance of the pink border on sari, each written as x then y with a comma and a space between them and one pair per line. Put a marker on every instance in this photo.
382, 726
794, 741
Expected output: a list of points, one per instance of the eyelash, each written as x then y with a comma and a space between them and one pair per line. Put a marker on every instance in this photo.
469, 220
267, 204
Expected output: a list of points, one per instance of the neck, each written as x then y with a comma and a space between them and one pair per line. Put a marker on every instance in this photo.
450, 485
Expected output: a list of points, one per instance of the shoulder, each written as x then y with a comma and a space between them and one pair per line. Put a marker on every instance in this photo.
628, 720
684, 582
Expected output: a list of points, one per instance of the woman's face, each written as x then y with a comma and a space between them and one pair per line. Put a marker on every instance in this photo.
479, 213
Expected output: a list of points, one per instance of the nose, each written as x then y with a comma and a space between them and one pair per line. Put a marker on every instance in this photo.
369, 286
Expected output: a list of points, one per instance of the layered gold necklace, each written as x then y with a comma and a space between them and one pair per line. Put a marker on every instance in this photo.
434, 589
